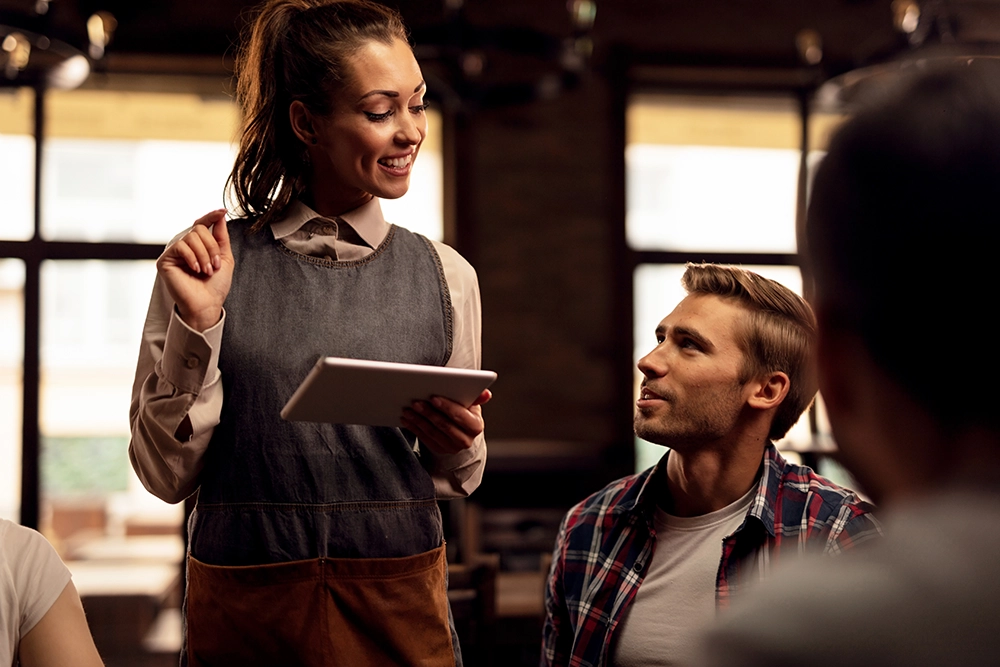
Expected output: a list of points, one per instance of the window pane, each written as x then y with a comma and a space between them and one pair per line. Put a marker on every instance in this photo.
712, 173
92, 317
127, 190
11, 387
133, 166
141, 166
17, 164
657, 291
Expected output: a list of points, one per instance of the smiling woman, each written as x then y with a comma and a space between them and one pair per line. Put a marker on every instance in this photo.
367, 144
333, 101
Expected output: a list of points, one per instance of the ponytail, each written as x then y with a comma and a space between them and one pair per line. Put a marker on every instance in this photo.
293, 50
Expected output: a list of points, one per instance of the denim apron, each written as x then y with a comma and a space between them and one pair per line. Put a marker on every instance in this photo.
319, 544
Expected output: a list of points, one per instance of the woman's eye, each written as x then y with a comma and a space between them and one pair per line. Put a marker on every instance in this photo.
378, 117
420, 108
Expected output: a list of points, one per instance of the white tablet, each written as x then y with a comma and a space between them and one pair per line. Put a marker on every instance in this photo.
357, 391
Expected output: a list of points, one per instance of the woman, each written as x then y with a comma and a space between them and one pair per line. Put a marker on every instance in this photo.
311, 544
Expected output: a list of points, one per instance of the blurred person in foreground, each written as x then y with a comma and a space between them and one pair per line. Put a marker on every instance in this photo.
899, 243
644, 564
42, 623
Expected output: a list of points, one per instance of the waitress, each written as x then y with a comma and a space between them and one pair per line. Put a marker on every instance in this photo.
311, 544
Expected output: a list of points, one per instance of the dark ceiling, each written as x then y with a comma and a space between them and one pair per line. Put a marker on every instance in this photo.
730, 32
192, 36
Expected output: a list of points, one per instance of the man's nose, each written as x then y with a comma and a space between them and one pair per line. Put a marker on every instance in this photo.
653, 364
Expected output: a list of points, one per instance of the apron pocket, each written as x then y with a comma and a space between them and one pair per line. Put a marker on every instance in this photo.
350, 612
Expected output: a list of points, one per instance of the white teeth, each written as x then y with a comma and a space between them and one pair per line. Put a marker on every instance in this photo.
397, 162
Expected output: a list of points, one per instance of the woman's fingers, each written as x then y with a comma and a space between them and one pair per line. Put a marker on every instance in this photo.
220, 233
197, 270
201, 248
445, 426
211, 218
483, 398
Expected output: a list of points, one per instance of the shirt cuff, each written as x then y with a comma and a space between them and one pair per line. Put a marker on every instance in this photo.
190, 358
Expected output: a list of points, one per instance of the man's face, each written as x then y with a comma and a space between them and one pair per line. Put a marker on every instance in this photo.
691, 392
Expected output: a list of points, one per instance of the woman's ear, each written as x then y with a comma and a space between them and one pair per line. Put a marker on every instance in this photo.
301, 122
769, 391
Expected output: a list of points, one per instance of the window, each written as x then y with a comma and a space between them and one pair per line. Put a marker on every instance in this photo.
11, 357
17, 160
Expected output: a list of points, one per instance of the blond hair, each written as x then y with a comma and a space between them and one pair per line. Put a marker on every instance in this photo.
777, 335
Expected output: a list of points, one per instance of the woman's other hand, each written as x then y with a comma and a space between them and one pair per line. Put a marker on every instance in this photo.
444, 426
197, 270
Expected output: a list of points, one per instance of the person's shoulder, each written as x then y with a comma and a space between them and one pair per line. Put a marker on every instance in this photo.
803, 482
16, 538
618, 496
452, 258
24, 545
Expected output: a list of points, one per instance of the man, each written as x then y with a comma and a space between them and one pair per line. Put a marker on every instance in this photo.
899, 243
643, 563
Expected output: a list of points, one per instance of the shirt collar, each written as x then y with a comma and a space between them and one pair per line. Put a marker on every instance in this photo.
761, 507
366, 220
768, 487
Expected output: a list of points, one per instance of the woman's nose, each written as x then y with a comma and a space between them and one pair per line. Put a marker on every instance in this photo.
411, 129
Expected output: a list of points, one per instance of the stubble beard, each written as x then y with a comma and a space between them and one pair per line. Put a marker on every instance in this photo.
683, 427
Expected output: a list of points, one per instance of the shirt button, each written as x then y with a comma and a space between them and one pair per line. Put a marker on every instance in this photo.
637, 567
192, 361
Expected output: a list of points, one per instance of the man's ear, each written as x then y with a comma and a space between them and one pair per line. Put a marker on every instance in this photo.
769, 391
302, 124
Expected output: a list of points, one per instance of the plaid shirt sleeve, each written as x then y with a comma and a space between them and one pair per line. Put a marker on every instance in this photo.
557, 635
598, 562
855, 525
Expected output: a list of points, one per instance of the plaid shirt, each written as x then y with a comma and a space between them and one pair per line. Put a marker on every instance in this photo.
606, 543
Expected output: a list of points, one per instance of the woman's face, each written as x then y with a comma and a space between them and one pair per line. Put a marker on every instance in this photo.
368, 143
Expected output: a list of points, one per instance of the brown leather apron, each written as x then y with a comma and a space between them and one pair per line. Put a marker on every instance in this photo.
349, 612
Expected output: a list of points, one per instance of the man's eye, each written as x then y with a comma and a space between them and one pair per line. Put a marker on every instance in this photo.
689, 343
378, 117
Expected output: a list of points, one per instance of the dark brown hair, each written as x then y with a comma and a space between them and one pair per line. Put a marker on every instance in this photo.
902, 232
778, 334
293, 50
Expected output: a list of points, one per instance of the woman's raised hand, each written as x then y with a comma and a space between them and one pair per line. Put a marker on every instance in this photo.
197, 270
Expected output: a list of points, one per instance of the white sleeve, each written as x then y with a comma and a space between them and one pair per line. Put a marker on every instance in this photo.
176, 399
458, 475
38, 574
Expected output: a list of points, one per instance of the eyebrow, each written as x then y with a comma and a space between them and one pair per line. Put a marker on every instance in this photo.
680, 331
390, 93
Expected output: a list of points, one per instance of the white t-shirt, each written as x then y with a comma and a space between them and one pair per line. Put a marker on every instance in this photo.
676, 600
32, 577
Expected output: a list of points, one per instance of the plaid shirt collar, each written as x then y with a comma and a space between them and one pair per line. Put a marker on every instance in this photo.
641, 498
